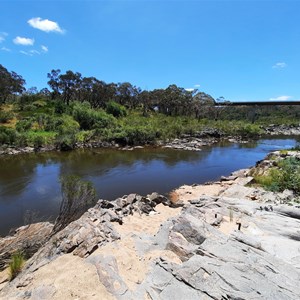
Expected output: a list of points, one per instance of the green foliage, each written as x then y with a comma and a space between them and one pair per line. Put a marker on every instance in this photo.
10, 84
24, 125
22, 140
65, 142
116, 109
286, 176
6, 116
7, 135
39, 103
237, 128
38, 141
77, 197
91, 119
60, 107
138, 135
67, 129
49, 122
84, 136
26, 102
283, 152
67, 125
16, 264
32, 138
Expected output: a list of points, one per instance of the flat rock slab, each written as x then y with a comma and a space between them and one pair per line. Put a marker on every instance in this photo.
219, 267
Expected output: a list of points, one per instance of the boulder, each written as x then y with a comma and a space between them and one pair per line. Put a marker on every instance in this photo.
26, 239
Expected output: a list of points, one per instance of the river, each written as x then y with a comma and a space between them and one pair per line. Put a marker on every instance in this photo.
30, 187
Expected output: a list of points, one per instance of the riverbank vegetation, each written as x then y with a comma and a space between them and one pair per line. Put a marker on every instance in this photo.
16, 264
77, 109
284, 175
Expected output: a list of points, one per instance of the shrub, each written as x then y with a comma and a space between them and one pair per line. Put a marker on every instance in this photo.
84, 136
91, 119
39, 103
248, 130
7, 135
16, 264
130, 135
116, 109
67, 125
6, 116
65, 142
22, 140
286, 176
38, 141
26, 100
77, 197
67, 130
24, 125
140, 135
51, 123
60, 107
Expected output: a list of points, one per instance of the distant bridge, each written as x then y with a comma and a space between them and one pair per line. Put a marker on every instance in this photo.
258, 103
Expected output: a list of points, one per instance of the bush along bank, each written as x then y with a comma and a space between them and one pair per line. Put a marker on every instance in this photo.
54, 126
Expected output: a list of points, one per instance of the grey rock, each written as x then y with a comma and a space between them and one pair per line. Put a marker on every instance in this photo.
220, 268
228, 178
45, 292
26, 239
108, 273
180, 246
191, 143
157, 198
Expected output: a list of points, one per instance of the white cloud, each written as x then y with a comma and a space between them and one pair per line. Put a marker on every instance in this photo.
3, 35
34, 52
23, 41
44, 48
190, 89
279, 65
25, 53
281, 98
5, 49
30, 53
44, 25
197, 86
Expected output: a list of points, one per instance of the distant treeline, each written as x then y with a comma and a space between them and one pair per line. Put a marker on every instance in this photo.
172, 101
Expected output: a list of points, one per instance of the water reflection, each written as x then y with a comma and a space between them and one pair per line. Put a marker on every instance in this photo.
31, 182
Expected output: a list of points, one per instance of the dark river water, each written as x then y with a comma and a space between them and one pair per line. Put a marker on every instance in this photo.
29, 184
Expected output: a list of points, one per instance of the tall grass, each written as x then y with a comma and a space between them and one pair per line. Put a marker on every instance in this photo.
16, 264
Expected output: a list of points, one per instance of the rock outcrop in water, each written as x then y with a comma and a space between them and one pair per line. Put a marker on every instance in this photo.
228, 241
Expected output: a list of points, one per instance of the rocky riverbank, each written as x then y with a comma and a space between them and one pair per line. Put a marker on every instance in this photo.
282, 129
193, 142
223, 240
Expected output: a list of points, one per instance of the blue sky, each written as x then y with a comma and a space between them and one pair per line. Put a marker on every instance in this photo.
242, 50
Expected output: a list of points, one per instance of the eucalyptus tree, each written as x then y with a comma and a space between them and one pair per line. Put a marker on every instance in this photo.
127, 94
11, 84
65, 86
204, 106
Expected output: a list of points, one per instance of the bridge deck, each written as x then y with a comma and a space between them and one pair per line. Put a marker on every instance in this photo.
259, 103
